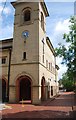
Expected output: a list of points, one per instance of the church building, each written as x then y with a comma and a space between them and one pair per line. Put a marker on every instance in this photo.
28, 60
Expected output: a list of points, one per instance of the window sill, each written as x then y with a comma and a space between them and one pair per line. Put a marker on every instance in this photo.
24, 59
26, 23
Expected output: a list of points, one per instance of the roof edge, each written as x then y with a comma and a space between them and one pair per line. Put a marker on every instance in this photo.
42, 3
6, 40
50, 45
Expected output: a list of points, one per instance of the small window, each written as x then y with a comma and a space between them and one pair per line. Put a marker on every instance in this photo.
24, 56
46, 63
26, 15
0, 61
49, 66
42, 21
43, 58
3, 60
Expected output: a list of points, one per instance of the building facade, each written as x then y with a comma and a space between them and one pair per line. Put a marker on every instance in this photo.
28, 62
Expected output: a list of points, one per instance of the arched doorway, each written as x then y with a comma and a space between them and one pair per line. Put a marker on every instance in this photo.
3, 90
24, 88
43, 88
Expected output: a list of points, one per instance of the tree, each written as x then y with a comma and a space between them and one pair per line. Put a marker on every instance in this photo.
69, 53
67, 82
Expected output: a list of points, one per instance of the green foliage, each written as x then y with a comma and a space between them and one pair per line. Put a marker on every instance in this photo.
69, 54
67, 82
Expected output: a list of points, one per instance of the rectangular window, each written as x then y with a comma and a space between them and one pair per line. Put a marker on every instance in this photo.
49, 66
0, 61
47, 63
27, 15
53, 69
43, 50
24, 55
3, 61
43, 58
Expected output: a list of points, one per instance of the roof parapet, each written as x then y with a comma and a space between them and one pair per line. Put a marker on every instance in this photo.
50, 46
41, 1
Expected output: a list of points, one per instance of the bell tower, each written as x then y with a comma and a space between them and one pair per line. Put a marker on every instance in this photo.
29, 31
29, 24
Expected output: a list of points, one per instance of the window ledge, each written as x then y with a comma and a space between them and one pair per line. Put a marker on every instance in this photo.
26, 23
24, 59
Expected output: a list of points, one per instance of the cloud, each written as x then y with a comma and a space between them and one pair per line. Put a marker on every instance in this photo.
60, 28
62, 68
2, 0
5, 27
6, 21
60, 0
7, 10
1, 19
6, 32
38, 0
1, 8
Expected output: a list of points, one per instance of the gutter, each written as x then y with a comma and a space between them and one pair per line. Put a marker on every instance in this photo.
9, 65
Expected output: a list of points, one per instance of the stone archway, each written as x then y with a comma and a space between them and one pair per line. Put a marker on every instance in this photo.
24, 84
43, 88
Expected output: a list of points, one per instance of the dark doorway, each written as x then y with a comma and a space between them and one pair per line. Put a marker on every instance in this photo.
43, 89
51, 90
3, 90
25, 89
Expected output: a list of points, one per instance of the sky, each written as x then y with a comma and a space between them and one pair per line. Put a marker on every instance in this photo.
56, 24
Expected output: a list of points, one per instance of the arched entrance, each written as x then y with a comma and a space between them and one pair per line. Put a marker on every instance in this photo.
3, 90
24, 88
43, 88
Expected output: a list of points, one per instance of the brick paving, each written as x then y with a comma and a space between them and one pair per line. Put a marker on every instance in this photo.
60, 107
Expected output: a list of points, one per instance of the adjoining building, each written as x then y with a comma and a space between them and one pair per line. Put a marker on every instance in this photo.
28, 61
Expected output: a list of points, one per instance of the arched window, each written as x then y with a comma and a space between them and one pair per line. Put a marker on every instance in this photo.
42, 21
27, 16
43, 90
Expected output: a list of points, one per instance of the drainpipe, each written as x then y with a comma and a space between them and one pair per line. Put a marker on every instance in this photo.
9, 65
55, 69
55, 77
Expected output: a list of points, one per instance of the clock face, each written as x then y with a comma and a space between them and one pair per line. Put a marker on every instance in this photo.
25, 34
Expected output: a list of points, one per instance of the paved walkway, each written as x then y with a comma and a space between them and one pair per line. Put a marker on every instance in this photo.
60, 107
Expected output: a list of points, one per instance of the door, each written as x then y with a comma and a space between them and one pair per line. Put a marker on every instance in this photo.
25, 89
